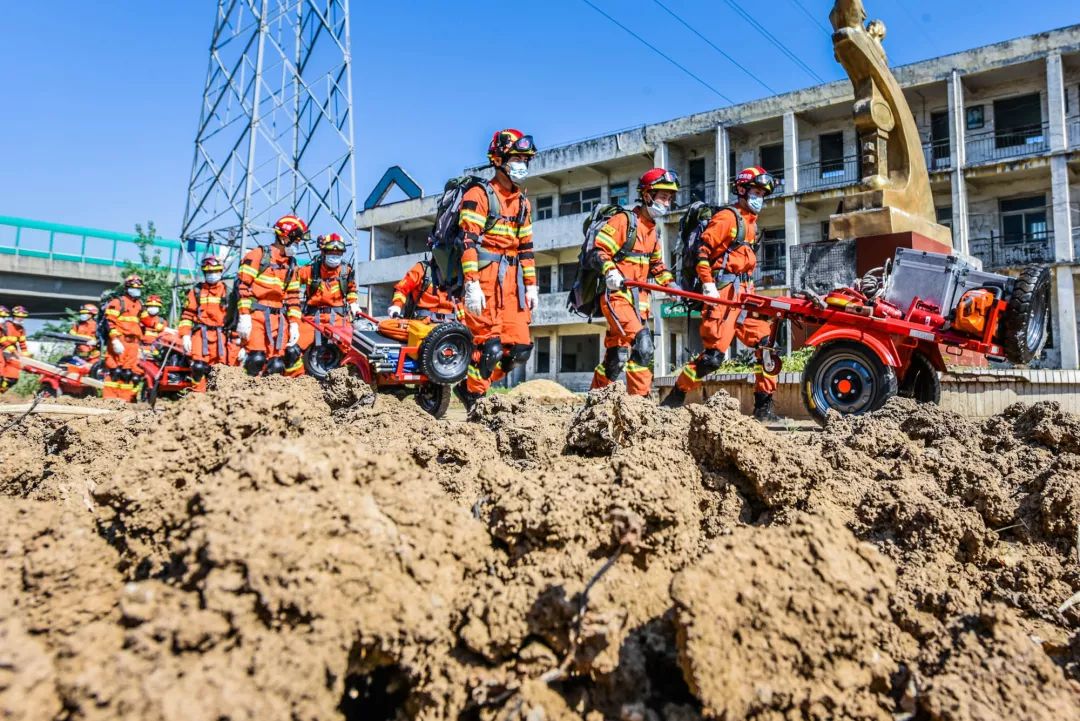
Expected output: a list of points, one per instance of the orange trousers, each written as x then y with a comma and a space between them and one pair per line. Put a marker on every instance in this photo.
9, 371
719, 326
118, 363
208, 345
503, 318
623, 326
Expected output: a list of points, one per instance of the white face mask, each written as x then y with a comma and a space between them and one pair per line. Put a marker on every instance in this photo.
517, 170
84, 316
212, 277
290, 250
332, 261
134, 292
658, 210
755, 203
152, 311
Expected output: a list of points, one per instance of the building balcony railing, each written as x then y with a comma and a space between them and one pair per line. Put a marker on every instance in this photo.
1010, 251
1073, 128
828, 174
1008, 143
938, 155
705, 192
769, 275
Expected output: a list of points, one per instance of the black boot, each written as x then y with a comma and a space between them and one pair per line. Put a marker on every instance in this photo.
674, 399
467, 398
763, 408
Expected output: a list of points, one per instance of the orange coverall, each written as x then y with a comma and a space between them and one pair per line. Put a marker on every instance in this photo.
323, 300
12, 344
720, 324
271, 298
122, 318
416, 290
502, 260
627, 311
86, 329
202, 319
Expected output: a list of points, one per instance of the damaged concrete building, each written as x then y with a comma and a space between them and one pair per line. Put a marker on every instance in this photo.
1001, 132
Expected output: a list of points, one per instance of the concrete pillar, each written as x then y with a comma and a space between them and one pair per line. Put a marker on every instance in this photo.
958, 145
791, 239
662, 155
661, 159
1059, 201
791, 153
1055, 102
723, 177
1065, 308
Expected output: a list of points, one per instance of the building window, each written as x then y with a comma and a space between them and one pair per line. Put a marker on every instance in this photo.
944, 215
579, 201
543, 278
696, 179
544, 207
976, 117
619, 194
773, 249
1018, 121
567, 273
831, 153
940, 150
824, 230
731, 171
1023, 219
543, 354
579, 353
772, 159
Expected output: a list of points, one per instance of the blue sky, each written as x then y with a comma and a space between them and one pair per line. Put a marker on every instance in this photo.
103, 97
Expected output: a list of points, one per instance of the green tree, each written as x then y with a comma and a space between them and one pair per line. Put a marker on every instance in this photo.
157, 277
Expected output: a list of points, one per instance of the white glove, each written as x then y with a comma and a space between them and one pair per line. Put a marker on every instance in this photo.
243, 326
532, 296
117, 346
294, 333
710, 290
474, 297
241, 355
614, 279
394, 311
355, 309
186, 342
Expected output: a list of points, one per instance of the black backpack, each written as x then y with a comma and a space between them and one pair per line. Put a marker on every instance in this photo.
231, 307
588, 288
691, 227
102, 330
446, 241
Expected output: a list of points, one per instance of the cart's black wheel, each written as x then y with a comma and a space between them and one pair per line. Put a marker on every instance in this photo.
320, 359
434, 398
97, 371
1027, 317
444, 354
921, 381
847, 377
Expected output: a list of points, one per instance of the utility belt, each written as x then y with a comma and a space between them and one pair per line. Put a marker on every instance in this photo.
316, 315
487, 257
267, 312
204, 328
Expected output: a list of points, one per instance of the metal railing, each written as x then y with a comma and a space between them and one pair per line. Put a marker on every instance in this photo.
1073, 131
54, 241
705, 192
828, 174
938, 154
1006, 143
770, 276
1009, 251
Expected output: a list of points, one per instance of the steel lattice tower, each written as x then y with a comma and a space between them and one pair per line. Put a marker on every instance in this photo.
275, 132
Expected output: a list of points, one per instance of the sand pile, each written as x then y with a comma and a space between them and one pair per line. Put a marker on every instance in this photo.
276, 549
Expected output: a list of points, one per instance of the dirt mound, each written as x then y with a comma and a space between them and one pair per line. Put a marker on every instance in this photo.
280, 549
542, 390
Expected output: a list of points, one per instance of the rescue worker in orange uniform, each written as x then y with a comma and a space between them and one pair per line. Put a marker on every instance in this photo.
499, 267
86, 327
268, 310
725, 260
201, 330
153, 325
125, 335
416, 296
629, 340
9, 351
329, 292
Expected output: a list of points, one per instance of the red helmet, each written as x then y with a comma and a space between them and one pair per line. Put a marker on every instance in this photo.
211, 264
133, 281
289, 229
755, 177
89, 308
658, 179
20, 311
505, 143
4, 312
331, 243
153, 301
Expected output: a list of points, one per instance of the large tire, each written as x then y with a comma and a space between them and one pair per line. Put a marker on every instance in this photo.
445, 352
921, 381
847, 377
434, 398
1027, 317
321, 358
97, 371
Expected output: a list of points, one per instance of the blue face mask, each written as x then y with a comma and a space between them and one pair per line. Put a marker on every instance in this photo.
755, 204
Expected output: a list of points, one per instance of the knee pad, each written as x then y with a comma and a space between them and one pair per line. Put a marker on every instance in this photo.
254, 362
614, 362
122, 375
516, 354
641, 350
709, 361
491, 352
292, 354
199, 370
275, 366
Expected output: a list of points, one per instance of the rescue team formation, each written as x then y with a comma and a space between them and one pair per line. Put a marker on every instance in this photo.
459, 320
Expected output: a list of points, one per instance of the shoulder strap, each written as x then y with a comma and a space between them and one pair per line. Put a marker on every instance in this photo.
740, 226
315, 280
494, 207
631, 235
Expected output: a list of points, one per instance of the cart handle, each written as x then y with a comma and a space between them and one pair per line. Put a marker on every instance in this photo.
684, 294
